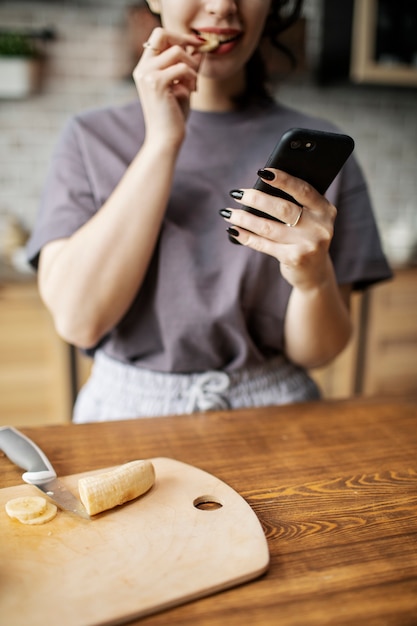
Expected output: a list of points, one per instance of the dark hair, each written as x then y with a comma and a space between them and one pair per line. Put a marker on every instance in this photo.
283, 14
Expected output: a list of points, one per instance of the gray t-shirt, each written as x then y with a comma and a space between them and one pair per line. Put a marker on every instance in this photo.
205, 303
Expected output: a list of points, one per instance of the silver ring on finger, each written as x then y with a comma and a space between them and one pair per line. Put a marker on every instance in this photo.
149, 46
294, 224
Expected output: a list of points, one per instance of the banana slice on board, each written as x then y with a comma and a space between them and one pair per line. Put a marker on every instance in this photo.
31, 509
104, 491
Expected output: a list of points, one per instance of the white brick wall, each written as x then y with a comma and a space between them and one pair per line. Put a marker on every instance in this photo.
88, 66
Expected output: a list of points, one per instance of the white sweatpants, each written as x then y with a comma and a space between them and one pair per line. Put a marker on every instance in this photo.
116, 390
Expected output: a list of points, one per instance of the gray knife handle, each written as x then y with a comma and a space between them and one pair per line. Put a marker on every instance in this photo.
26, 454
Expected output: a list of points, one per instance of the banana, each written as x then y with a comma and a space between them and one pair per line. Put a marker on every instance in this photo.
47, 516
211, 42
104, 491
31, 509
26, 507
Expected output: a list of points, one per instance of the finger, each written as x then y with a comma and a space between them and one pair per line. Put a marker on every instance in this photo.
180, 76
175, 78
299, 189
277, 208
168, 67
177, 54
161, 40
256, 242
264, 228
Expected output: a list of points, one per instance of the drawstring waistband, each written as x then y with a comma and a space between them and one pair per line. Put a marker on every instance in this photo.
205, 393
117, 390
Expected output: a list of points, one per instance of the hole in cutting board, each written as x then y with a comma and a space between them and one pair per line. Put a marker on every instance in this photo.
207, 503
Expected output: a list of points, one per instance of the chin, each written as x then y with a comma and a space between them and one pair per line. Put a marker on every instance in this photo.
219, 70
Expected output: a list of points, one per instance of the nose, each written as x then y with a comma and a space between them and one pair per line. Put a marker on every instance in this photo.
221, 8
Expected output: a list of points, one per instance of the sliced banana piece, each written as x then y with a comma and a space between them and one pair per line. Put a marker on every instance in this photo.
26, 507
211, 42
104, 491
31, 509
47, 515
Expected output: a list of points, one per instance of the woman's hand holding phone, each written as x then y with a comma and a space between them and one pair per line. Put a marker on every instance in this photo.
301, 250
286, 214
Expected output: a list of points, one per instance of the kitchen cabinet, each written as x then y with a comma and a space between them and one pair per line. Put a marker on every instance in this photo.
34, 362
381, 359
384, 48
368, 42
389, 364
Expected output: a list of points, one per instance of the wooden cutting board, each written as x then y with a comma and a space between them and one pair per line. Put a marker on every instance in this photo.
163, 549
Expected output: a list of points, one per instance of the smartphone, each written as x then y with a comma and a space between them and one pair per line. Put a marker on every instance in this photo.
312, 155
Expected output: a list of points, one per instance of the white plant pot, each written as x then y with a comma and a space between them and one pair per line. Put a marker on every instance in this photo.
19, 77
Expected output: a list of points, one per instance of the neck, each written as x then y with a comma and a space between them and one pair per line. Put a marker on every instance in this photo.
217, 96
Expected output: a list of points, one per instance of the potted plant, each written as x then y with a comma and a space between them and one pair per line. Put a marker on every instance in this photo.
20, 65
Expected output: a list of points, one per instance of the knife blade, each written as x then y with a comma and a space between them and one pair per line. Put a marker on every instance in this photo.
39, 470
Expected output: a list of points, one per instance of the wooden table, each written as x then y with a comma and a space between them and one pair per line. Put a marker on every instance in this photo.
333, 483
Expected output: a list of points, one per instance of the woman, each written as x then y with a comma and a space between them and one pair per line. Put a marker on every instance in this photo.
134, 261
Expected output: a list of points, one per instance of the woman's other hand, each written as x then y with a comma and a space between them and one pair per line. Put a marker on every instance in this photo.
165, 77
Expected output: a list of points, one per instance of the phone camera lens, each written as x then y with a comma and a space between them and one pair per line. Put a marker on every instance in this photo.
310, 145
295, 145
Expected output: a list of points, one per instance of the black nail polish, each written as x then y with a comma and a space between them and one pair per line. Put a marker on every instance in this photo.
237, 194
225, 213
233, 232
266, 174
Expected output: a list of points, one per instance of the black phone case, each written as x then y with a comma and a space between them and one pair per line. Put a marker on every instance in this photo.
312, 155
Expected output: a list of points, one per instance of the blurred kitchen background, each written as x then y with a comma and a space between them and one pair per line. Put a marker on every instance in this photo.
357, 66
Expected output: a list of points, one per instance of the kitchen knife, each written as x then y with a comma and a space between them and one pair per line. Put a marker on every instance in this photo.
40, 473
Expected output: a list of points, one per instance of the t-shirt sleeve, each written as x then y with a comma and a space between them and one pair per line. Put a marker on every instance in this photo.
67, 201
356, 249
